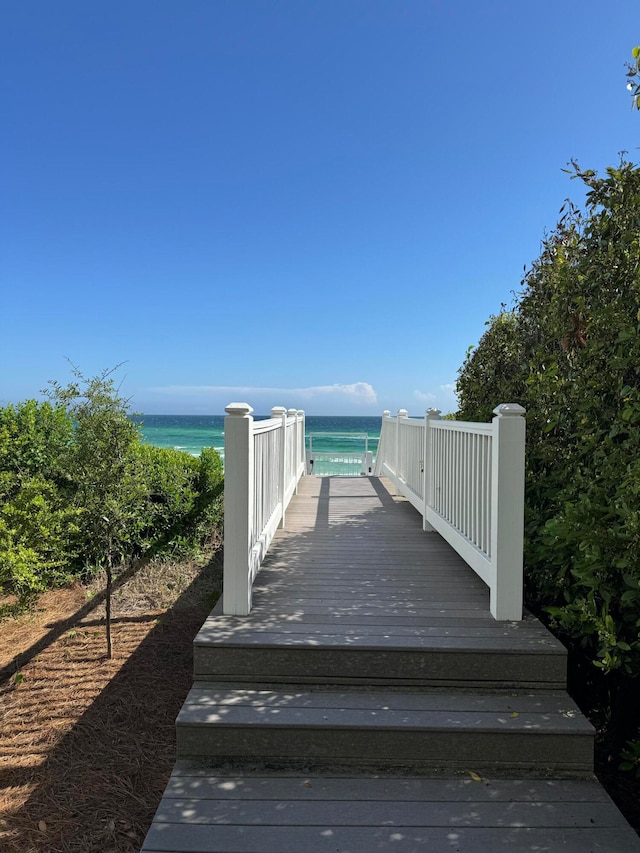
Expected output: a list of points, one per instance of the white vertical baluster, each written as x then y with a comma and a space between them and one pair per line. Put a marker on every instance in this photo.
281, 413
384, 446
400, 441
292, 454
293, 413
301, 440
428, 455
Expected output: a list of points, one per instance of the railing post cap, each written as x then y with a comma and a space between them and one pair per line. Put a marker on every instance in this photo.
433, 413
301, 412
386, 413
509, 410
292, 411
238, 410
278, 410
403, 413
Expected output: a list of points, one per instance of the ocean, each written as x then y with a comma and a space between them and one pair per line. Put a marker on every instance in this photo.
327, 434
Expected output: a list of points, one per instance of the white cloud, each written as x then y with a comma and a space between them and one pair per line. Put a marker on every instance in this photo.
425, 396
357, 391
361, 392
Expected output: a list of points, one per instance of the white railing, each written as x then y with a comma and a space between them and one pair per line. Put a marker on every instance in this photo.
467, 481
332, 463
338, 463
264, 461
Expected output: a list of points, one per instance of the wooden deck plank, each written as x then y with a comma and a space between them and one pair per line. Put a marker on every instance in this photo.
548, 703
192, 780
397, 812
417, 711
373, 628
385, 639
188, 838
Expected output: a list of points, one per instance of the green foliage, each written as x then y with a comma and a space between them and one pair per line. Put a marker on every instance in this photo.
38, 527
495, 362
33, 438
633, 73
569, 352
631, 757
38, 537
101, 462
79, 489
211, 487
170, 495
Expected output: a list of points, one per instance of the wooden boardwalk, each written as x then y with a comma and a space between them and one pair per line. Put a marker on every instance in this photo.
370, 702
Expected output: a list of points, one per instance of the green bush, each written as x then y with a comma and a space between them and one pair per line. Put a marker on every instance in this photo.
569, 352
38, 526
79, 489
38, 536
34, 438
183, 507
170, 495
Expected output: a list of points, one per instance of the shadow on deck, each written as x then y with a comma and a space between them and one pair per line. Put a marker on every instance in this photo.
370, 702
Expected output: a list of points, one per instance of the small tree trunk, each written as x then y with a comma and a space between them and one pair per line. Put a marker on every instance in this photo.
108, 601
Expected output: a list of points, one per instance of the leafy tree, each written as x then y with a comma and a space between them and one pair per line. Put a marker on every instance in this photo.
102, 463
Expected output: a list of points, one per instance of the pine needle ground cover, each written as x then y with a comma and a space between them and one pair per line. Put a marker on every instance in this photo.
87, 743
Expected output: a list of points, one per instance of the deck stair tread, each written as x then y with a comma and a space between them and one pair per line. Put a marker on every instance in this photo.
202, 812
274, 630
420, 730
553, 711
343, 645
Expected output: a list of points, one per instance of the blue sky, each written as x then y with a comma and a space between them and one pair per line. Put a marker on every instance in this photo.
310, 203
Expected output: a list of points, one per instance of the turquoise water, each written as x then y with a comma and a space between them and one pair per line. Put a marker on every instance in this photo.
193, 432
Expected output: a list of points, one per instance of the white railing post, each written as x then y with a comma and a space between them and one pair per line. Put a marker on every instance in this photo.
281, 412
507, 511
402, 413
301, 457
427, 465
238, 508
384, 445
384, 449
293, 453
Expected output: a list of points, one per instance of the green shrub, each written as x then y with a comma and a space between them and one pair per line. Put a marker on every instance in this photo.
79, 489
170, 479
38, 537
34, 438
184, 498
569, 352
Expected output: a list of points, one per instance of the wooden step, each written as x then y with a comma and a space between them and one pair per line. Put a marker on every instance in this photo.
538, 732
378, 648
203, 812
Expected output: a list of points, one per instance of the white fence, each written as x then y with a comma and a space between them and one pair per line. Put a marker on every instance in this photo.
264, 461
467, 481
332, 462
